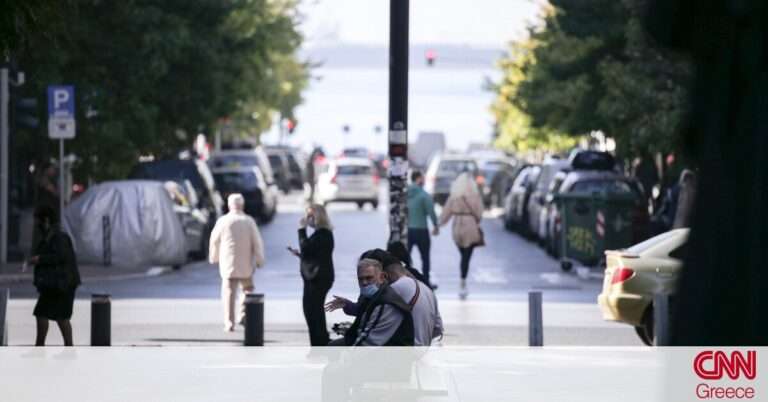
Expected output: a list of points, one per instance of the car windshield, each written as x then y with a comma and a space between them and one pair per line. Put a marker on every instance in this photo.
232, 161
170, 170
232, 182
349, 170
275, 160
456, 167
602, 187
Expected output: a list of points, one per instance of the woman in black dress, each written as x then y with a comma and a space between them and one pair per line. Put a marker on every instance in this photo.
56, 276
316, 254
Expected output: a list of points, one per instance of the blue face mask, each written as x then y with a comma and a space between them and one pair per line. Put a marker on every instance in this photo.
369, 290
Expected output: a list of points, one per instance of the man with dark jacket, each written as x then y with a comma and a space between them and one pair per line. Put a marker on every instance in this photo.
382, 318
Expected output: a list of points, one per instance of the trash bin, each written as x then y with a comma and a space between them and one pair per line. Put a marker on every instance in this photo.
593, 223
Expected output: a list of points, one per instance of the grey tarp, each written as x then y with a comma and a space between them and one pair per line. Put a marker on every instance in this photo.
143, 227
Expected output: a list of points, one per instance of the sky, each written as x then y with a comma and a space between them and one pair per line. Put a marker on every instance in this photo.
482, 23
445, 98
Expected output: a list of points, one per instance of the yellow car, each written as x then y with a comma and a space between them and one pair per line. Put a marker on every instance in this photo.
635, 274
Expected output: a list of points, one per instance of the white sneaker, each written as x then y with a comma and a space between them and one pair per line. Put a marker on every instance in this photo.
229, 328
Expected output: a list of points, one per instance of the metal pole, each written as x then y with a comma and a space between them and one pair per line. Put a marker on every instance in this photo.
4, 101
535, 320
101, 320
661, 319
61, 183
398, 118
254, 319
5, 294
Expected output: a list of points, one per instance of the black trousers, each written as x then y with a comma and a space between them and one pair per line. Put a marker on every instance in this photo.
420, 239
466, 255
313, 303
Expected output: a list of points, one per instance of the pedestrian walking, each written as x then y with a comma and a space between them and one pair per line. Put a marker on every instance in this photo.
465, 207
421, 207
56, 276
237, 247
317, 273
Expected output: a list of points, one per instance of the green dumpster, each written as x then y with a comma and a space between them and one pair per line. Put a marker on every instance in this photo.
593, 223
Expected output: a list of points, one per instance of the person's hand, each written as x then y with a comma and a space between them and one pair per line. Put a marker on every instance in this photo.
436, 231
293, 251
337, 303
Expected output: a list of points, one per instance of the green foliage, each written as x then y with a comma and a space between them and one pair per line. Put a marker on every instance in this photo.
151, 74
591, 67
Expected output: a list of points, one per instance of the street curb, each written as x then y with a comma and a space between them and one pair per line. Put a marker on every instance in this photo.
151, 272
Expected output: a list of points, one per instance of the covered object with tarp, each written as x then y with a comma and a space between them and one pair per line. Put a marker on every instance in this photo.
126, 224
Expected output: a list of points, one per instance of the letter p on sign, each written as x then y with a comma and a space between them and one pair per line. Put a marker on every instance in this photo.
61, 111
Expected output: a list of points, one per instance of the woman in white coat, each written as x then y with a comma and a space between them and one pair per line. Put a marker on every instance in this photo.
465, 206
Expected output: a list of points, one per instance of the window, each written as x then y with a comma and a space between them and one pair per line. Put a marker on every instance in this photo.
457, 167
231, 161
602, 187
236, 181
349, 170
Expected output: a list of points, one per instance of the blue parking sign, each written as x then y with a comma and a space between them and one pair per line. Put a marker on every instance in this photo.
61, 111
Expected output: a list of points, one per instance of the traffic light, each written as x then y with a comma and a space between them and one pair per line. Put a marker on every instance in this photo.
25, 113
430, 56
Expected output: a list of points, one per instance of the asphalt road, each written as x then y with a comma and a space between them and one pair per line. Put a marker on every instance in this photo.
182, 307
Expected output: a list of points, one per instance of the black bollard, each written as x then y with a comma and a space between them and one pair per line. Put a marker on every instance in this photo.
101, 320
5, 294
254, 319
535, 320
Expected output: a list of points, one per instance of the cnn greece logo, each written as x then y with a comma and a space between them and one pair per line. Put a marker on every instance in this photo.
714, 365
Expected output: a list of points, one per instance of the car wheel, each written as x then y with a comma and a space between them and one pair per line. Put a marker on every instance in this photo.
566, 266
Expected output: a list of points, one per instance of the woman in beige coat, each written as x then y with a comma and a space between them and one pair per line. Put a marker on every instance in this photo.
465, 206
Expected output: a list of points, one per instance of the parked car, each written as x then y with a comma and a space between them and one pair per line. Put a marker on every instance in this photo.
234, 157
515, 211
349, 180
260, 197
132, 223
197, 173
635, 274
536, 206
443, 170
194, 221
286, 167
496, 174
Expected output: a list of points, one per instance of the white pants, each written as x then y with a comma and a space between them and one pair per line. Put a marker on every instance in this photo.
228, 292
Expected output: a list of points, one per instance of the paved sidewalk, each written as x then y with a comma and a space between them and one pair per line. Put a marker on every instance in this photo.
12, 273
195, 322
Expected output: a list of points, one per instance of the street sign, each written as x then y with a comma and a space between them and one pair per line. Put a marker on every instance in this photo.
61, 111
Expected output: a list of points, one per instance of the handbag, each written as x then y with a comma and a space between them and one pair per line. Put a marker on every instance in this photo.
309, 269
481, 240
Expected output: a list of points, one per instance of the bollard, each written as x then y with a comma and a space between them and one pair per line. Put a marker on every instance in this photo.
661, 319
5, 295
535, 320
254, 319
101, 320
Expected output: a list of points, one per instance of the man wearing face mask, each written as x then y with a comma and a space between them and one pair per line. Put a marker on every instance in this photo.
382, 317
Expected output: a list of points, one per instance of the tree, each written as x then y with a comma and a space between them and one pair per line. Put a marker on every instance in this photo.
592, 68
151, 74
